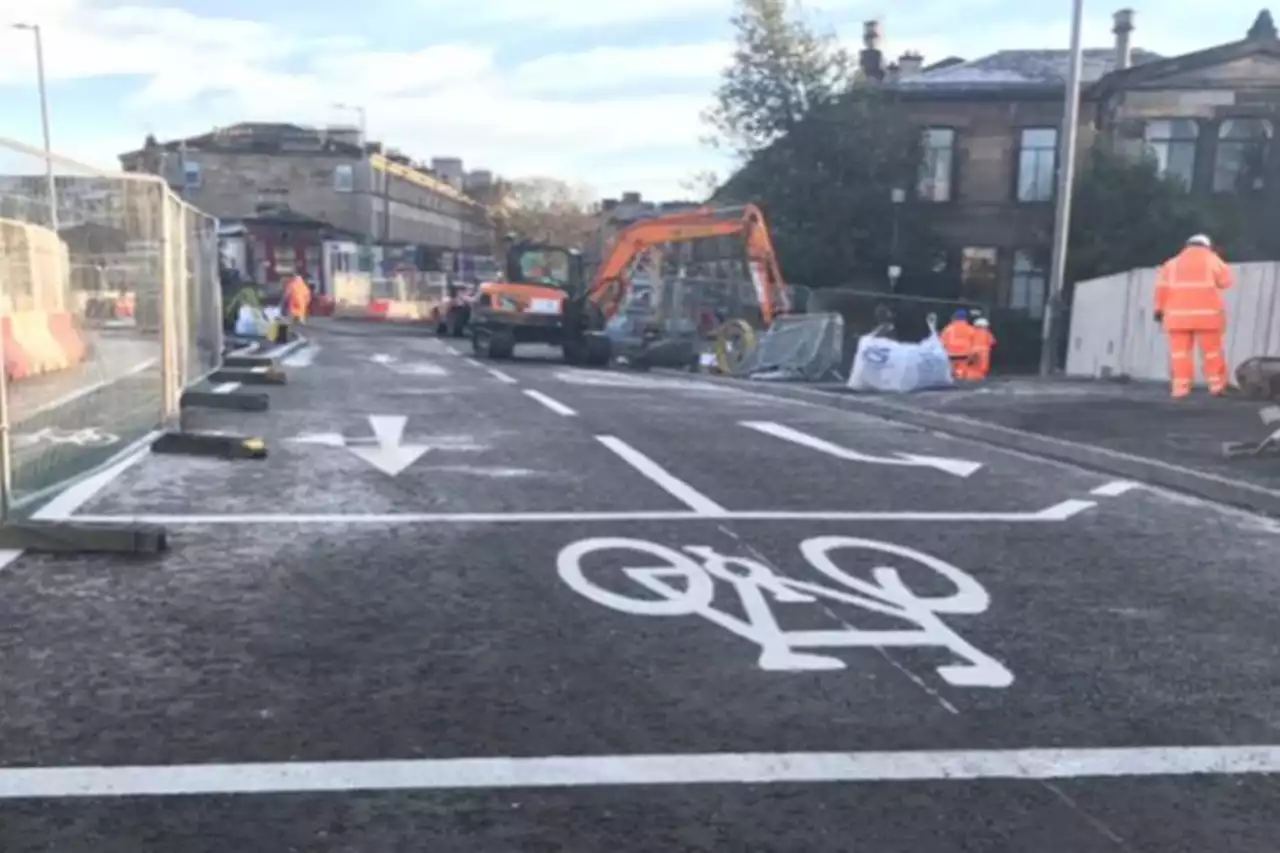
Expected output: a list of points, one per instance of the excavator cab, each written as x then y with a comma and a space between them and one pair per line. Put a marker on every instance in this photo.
545, 265
540, 301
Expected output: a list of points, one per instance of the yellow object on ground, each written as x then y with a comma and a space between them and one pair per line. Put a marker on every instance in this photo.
734, 340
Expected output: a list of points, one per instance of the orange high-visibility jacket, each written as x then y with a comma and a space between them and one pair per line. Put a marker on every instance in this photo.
1189, 290
957, 338
297, 296
983, 340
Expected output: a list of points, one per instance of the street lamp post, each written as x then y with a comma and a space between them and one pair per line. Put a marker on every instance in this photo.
898, 197
1054, 308
34, 29
364, 141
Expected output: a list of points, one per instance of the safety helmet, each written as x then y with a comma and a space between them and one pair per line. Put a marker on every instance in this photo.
960, 314
1200, 240
982, 323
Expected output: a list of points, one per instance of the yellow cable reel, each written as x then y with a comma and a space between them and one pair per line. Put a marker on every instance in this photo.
734, 342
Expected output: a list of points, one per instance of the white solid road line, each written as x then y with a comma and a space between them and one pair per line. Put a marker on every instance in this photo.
1058, 512
672, 484
474, 363
1115, 488
226, 387
551, 403
78, 494
500, 376
589, 771
70, 499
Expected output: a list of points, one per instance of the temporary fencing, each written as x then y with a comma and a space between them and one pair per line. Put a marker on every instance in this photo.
680, 320
1113, 333
405, 296
110, 306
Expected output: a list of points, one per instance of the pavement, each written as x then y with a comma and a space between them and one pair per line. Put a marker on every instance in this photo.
522, 607
75, 419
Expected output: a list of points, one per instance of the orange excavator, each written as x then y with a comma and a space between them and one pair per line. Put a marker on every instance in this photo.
546, 298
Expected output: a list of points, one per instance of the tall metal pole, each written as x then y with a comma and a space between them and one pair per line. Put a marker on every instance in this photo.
364, 154
44, 122
1051, 329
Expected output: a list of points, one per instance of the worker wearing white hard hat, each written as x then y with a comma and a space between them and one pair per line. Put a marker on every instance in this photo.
983, 343
1189, 304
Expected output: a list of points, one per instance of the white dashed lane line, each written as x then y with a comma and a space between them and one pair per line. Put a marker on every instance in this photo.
551, 403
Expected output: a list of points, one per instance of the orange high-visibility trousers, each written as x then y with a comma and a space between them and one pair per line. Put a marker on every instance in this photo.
1182, 363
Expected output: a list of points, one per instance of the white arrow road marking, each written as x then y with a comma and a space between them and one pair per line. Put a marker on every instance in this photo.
385, 450
956, 467
389, 455
326, 439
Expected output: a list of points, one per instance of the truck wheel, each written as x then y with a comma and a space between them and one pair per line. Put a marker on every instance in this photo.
480, 343
598, 351
502, 345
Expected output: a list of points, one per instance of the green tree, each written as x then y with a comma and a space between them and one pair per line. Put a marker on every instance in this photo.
781, 70
1125, 215
826, 189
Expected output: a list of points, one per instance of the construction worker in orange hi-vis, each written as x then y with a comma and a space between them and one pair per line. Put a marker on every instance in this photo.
958, 338
1189, 304
297, 299
983, 342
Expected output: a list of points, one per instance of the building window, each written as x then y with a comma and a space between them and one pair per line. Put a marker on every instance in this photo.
1173, 144
1037, 163
978, 274
1240, 164
938, 164
190, 174
1030, 283
344, 178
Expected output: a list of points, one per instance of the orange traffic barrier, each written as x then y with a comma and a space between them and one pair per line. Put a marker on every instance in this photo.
38, 342
66, 332
16, 365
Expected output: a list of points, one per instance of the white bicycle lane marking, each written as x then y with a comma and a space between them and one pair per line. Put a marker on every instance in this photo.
685, 581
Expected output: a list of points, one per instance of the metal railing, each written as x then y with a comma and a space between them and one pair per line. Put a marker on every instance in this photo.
105, 320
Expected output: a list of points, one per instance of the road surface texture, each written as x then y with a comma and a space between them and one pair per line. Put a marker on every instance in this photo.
545, 609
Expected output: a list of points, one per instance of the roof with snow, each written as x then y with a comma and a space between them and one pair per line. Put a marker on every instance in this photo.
1019, 69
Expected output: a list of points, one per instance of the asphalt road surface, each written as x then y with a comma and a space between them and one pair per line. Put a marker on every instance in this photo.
544, 609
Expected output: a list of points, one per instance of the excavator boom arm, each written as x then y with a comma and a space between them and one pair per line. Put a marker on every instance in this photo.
686, 227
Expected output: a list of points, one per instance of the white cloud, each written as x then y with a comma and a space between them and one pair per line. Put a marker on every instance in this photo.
455, 99
607, 68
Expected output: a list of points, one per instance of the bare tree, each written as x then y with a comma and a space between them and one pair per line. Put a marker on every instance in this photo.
546, 210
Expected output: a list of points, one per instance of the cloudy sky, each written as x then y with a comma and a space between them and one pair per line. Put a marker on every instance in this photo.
605, 92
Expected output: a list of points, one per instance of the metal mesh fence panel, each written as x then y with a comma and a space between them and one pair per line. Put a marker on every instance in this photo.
199, 295
88, 259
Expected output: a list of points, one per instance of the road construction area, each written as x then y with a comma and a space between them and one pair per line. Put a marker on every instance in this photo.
517, 606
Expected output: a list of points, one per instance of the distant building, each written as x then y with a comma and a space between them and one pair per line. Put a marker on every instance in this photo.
328, 179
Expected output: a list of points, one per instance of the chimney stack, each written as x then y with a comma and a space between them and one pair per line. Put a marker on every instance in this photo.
1123, 29
872, 60
910, 63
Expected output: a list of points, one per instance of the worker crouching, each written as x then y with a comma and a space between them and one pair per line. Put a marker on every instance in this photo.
968, 345
1190, 306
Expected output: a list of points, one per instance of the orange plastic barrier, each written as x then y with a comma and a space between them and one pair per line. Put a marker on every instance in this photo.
16, 365
38, 342
66, 332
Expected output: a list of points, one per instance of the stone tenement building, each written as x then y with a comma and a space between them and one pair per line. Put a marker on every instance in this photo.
328, 175
991, 128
